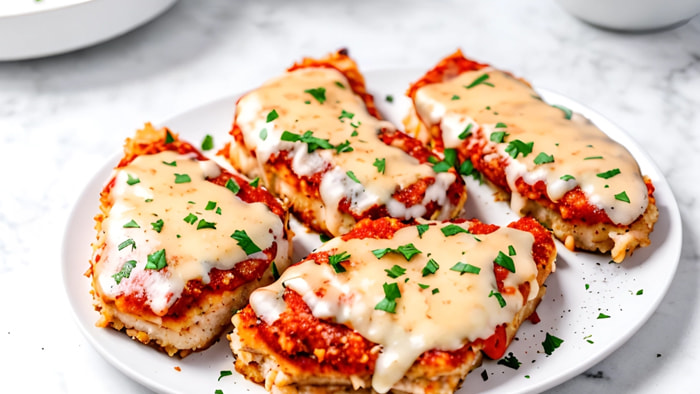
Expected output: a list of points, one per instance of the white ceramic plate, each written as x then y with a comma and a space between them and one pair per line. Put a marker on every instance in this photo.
583, 286
31, 29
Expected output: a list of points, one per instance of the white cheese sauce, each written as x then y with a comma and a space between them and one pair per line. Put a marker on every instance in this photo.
425, 312
582, 154
167, 200
340, 118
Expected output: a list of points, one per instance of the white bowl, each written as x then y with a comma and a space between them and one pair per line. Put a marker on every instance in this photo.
31, 29
633, 15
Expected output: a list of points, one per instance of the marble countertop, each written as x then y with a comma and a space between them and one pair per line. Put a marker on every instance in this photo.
62, 117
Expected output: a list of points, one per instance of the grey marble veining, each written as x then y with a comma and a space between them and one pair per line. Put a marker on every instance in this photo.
62, 117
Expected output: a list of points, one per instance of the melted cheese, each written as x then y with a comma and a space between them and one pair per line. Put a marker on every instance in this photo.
190, 253
299, 111
579, 148
423, 320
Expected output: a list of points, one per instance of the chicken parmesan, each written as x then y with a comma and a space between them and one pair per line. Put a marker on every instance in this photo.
553, 164
181, 243
392, 306
316, 139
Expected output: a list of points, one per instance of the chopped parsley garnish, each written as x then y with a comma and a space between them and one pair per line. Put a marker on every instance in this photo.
608, 174
388, 303
232, 186
128, 242
622, 197
182, 178
422, 286
467, 168
567, 112
395, 271
344, 147
132, 180
157, 225
544, 158
255, 182
593, 158
501, 125
345, 115
408, 251
380, 164
210, 205
312, 142
263, 134
550, 343
224, 373
498, 136
587, 338
454, 97
272, 115
422, 228
603, 316
511, 250
389, 98
519, 147
640, 291
448, 162
131, 224
244, 241
354, 133
208, 142
431, 267
356, 125
169, 137
499, 297
452, 229
567, 177
275, 271
319, 94
156, 261
335, 259
324, 237
339, 84
171, 164
505, 261
352, 176
125, 271
481, 80
436, 290
464, 268
190, 218
218, 391
467, 132
510, 361
202, 224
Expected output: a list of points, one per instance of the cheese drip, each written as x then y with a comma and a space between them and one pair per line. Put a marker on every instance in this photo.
190, 253
423, 320
341, 118
581, 151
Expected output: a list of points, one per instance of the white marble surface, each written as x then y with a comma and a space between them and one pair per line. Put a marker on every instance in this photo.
61, 117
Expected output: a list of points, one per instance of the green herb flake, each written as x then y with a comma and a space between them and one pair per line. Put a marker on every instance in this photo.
169, 139
171, 164
339, 84
422, 228
510, 361
218, 391
182, 178
640, 292
464, 268
467, 131
609, 174
224, 374
511, 250
380, 164
430, 268
131, 224
255, 182
263, 134
272, 115
408, 251
244, 241
498, 136
551, 343
436, 290
391, 293
157, 225
210, 205
567, 112
127, 243
389, 98
131, 180
422, 286
505, 261
354, 133
318, 93
603, 316
275, 271
324, 238
587, 286
501, 125
593, 158
454, 97
313, 143
345, 115
344, 147
480, 80
622, 197
352, 176
567, 177
208, 142
587, 338
190, 218
517, 147
335, 259
202, 224
125, 272
156, 260
453, 229
232, 186
499, 297
544, 158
